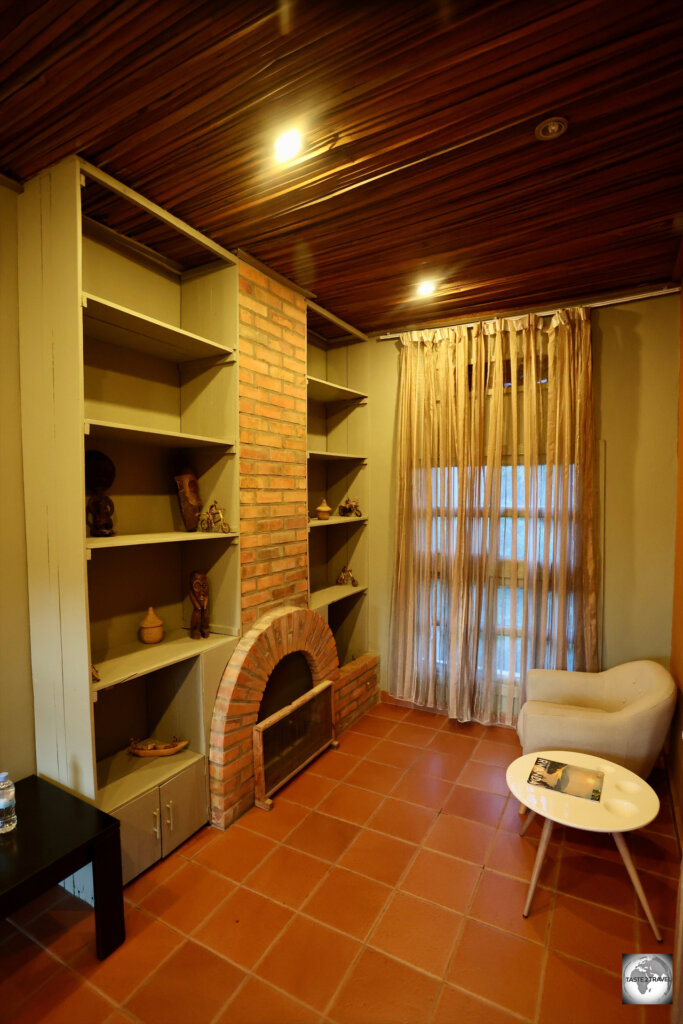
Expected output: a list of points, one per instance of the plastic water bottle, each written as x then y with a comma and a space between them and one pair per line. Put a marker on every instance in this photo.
8, 816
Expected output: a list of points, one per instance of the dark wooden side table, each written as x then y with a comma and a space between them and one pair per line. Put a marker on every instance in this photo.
57, 834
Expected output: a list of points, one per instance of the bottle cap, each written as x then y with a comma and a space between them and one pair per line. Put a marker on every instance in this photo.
3, 776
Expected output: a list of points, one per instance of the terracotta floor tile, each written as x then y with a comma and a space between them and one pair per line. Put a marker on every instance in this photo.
323, 836
455, 1005
141, 886
66, 928
243, 927
307, 789
41, 903
441, 879
374, 726
288, 876
379, 778
447, 742
425, 790
24, 969
148, 943
664, 822
383, 990
475, 804
661, 894
258, 1003
473, 730
654, 852
188, 896
499, 967
574, 991
501, 734
489, 777
443, 766
468, 840
598, 880
512, 821
118, 1017
348, 901
192, 986
594, 844
515, 855
417, 932
412, 735
351, 803
196, 843
309, 961
235, 852
490, 752
378, 856
358, 744
403, 820
500, 901
591, 933
333, 764
389, 711
429, 719
276, 823
66, 999
397, 754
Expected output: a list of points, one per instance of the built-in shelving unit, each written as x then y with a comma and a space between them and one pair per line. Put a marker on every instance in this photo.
337, 433
131, 353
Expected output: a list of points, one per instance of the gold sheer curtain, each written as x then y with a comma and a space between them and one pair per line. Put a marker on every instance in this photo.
496, 568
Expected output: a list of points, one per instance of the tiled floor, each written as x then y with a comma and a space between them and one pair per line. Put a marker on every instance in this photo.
385, 886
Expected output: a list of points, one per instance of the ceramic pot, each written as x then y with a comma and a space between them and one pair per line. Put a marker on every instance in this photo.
323, 510
151, 628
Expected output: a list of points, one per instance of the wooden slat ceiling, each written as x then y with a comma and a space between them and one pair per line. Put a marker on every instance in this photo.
419, 120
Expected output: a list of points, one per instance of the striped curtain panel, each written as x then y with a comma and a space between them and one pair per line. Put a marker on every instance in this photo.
496, 564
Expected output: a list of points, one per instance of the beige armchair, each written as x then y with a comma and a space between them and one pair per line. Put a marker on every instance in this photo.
622, 714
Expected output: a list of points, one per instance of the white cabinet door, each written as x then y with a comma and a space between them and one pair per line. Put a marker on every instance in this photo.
140, 833
184, 806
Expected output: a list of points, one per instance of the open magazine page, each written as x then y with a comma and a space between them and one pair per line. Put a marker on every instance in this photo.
567, 778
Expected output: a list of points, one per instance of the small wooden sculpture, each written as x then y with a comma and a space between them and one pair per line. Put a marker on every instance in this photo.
152, 748
350, 507
99, 476
199, 595
323, 510
151, 628
345, 577
188, 497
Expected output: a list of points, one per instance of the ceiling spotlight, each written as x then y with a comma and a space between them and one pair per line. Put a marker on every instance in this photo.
287, 146
425, 287
551, 128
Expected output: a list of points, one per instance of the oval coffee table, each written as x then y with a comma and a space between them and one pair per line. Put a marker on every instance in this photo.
626, 803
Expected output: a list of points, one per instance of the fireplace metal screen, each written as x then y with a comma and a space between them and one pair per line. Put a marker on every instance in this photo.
286, 741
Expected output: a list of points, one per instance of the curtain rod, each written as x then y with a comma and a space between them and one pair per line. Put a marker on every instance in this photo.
492, 316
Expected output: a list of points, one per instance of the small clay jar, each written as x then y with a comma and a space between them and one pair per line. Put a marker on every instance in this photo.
323, 510
151, 628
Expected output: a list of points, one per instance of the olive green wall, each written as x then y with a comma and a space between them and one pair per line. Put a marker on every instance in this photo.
636, 387
17, 747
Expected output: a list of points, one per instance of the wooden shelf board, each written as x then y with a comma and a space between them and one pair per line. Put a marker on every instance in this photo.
145, 435
106, 321
137, 659
330, 595
122, 540
320, 390
335, 457
123, 777
338, 521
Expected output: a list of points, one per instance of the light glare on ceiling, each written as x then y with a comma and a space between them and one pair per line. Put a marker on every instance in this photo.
287, 145
425, 288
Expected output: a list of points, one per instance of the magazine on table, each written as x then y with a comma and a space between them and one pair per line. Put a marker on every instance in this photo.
567, 778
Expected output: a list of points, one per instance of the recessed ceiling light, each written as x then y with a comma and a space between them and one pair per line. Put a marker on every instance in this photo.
425, 287
551, 128
287, 145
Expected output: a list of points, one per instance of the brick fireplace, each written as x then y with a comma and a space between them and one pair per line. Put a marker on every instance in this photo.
276, 621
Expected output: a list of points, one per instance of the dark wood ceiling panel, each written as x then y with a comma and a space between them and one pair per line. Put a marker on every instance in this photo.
420, 156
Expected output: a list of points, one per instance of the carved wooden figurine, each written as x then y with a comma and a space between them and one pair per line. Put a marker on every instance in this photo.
199, 595
188, 496
99, 476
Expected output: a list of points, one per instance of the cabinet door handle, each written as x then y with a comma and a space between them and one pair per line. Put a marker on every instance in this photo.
156, 830
169, 810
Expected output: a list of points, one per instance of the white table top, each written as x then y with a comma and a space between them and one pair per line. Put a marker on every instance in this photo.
626, 801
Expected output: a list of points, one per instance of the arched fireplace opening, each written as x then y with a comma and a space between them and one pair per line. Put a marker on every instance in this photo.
290, 678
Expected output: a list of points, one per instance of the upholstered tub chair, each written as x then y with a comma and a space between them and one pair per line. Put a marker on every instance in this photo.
622, 714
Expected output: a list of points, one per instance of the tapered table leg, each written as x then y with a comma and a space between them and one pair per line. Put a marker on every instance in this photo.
530, 818
540, 857
633, 875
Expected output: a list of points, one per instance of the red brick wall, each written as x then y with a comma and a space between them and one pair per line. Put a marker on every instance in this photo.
272, 433
355, 690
